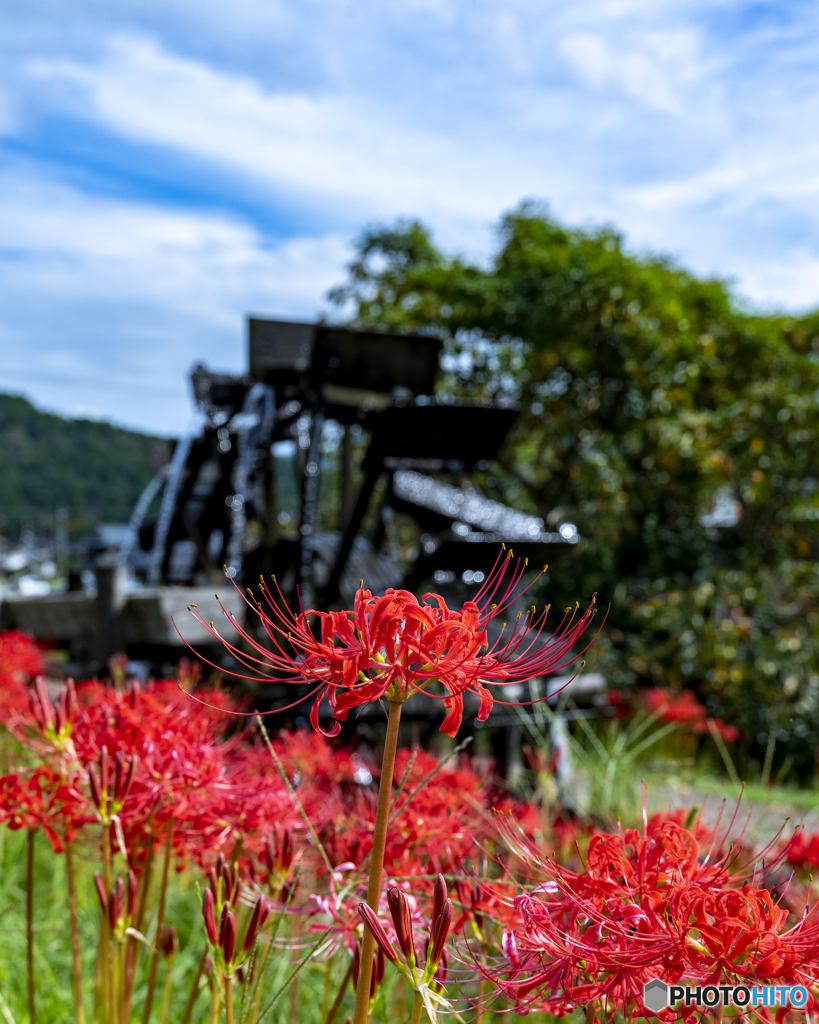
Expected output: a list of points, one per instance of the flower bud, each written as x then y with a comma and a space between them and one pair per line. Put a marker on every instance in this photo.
227, 935
135, 688
213, 882
380, 936
96, 798
439, 894
400, 913
132, 891
286, 849
356, 964
269, 858
45, 704
253, 925
71, 705
378, 970
119, 761
207, 913
104, 770
62, 713
128, 780
103, 896
168, 941
37, 709
440, 932
116, 905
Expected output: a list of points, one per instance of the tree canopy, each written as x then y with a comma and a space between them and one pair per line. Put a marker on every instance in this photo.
676, 429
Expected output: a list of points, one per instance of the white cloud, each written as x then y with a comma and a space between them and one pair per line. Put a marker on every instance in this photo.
655, 68
109, 303
317, 148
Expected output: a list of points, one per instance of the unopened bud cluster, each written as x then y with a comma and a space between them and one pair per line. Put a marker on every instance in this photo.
118, 904
278, 858
420, 973
108, 794
54, 720
218, 903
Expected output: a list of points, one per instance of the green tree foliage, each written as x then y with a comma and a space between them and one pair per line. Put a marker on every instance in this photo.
649, 400
94, 470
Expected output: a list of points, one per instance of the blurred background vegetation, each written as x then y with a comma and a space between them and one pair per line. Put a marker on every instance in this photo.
676, 429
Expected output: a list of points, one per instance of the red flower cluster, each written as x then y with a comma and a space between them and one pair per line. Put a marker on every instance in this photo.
803, 849
650, 905
685, 709
20, 661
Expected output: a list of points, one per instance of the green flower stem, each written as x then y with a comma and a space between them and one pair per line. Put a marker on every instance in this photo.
362, 995
186, 1016
149, 999
417, 1007
30, 923
228, 1000
76, 959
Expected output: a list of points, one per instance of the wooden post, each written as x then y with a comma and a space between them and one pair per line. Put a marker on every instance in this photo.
111, 600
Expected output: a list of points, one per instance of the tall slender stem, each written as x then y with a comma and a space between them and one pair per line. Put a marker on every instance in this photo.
382, 817
186, 1016
149, 999
166, 996
105, 930
216, 1000
295, 956
134, 948
76, 958
32, 1015
417, 1007
228, 1000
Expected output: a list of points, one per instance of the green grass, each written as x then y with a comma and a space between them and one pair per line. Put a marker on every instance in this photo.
306, 1002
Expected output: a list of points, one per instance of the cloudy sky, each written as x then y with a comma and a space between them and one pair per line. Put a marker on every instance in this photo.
167, 167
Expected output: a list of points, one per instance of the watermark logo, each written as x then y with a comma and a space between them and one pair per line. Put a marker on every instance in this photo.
657, 995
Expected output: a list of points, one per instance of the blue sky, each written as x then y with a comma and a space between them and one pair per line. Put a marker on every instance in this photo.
166, 168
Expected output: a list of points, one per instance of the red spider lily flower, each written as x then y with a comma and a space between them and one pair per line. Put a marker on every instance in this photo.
686, 710
43, 799
802, 848
394, 646
20, 658
20, 661
655, 905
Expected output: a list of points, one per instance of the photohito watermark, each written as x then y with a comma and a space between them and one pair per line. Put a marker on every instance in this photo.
658, 996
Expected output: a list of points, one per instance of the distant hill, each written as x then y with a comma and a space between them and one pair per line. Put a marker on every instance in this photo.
92, 469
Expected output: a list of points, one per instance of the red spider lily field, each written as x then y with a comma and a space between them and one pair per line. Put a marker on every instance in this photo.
169, 855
